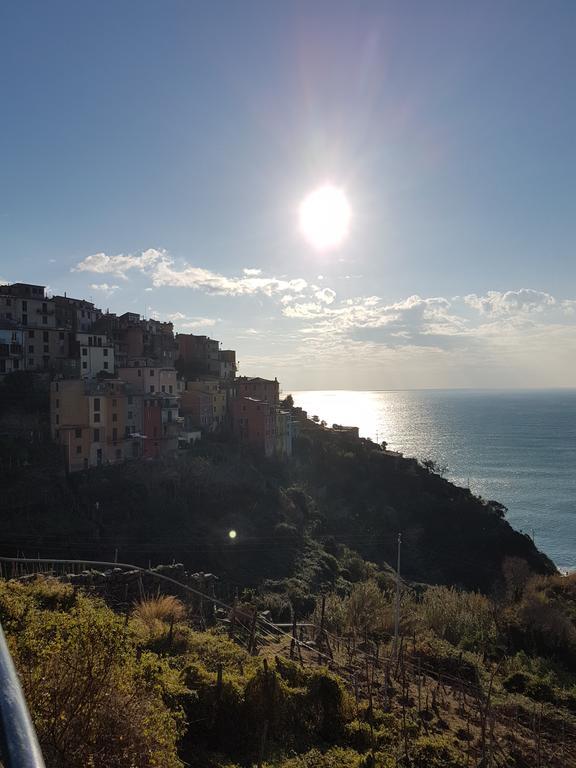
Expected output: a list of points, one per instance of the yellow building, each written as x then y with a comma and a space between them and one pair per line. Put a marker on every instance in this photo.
95, 422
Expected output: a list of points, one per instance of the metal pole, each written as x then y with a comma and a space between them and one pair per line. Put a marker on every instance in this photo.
20, 748
397, 609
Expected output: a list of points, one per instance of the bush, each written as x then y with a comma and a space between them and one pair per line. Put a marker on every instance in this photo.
93, 702
464, 619
436, 752
333, 758
154, 613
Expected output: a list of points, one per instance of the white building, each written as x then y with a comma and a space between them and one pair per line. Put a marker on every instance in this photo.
96, 354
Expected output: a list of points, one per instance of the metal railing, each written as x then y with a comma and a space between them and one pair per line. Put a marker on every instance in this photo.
19, 744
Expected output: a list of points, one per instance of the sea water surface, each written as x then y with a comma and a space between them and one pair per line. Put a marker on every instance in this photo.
518, 447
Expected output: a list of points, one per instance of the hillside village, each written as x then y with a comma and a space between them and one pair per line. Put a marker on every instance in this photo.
125, 387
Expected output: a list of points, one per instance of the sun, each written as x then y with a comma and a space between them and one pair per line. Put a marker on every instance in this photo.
324, 217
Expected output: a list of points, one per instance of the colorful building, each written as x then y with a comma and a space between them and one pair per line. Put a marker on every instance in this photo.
95, 422
254, 423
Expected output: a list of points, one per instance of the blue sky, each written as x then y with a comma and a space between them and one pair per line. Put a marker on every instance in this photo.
151, 152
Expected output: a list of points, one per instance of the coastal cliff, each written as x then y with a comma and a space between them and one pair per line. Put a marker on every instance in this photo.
339, 501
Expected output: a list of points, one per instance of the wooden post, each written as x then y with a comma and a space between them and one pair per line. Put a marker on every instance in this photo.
294, 638
219, 682
232, 623
252, 639
263, 744
320, 637
419, 686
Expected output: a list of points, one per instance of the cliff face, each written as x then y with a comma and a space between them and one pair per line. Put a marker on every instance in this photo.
365, 496
337, 490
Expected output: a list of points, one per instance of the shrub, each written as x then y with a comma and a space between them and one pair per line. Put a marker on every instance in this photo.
92, 701
436, 752
465, 619
332, 758
153, 613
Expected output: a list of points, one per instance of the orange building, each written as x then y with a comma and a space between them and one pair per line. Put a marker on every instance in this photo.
95, 422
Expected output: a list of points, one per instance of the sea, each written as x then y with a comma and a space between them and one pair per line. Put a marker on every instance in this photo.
518, 447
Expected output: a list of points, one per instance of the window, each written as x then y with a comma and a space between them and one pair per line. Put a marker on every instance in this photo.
114, 403
61, 336
163, 388
78, 449
105, 366
83, 315
46, 349
96, 403
30, 334
44, 320
139, 372
78, 432
44, 335
170, 388
15, 365
105, 351
30, 349
115, 434
57, 419
84, 352
57, 403
114, 417
24, 319
44, 307
84, 365
97, 435
151, 387
151, 371
24, 306
96, 418
8, 302
130, 415
130, 399
31, 362
56, 387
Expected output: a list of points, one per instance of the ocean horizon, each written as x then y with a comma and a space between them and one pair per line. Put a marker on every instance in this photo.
517, 446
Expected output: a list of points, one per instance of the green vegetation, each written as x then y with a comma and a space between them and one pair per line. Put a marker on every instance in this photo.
487, 663
147, 689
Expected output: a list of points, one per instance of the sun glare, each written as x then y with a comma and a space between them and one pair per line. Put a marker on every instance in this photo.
324, 217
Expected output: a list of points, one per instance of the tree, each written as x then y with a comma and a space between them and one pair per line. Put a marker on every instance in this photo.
288, 402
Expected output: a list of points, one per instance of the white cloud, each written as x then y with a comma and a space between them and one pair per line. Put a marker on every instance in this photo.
105, 288
197, 322
160, 267
198, 278
525, 300
185, 322
325, 295
118, 265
